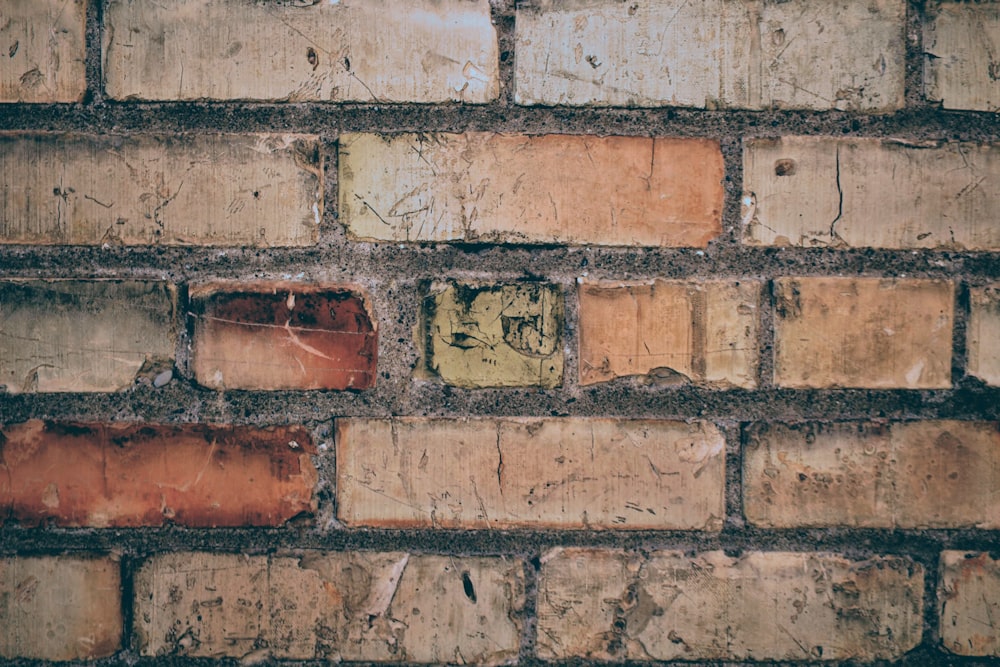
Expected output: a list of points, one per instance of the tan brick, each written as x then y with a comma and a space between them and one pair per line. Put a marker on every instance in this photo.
983, 334
515, 473
98, 475
612, 605
749, 54
60, 607
670, 331
962, 69
282, 335
495, 335
343, 50
881, 193
497, 188
969, 603
876, 333
43, 48
83, 335
383, 607
927, 474
192, 189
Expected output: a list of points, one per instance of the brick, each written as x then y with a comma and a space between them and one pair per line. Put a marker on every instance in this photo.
880, 193
100, 475
667, 605
60, 607
498, 188
340, 51
924, 474
83, 335
282, 335
712, 54
983, 334
962, 70
670, 331
969, 603
208, 189
43, 45
517, 473
502, 335
365, 606
875, 333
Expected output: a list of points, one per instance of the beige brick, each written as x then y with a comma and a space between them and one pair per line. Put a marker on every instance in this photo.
983, 334
43, 50
924, 474
670, 331
515, 473
876, 333
83, 335
961, 42
881, 193
384, 607
341, 51
60, 607
84, 189
496, 188
969, 603
495, 335
749, 54
612, 605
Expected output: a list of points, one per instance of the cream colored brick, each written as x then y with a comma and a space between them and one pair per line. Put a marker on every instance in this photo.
983, 334
338, 51
67, 335
42, 50
881, 193
750, 54
360, 606
923, 474
876, 333
229, 189
612, 605
969, 603
496, 188
60, 607
961, 44
516, 473
670, 331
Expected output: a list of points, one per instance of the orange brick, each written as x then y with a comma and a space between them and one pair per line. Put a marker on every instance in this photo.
100, 475
969, 603
282, 336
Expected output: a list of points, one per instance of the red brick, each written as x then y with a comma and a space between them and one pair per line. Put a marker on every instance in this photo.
282, 336
99, 475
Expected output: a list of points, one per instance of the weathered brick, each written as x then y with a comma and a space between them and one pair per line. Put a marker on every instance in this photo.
76, 335
670, 331
969, 603
881, 193
193, 189
43, 49
497, 188
962, 70
384, 607
98, 475
504, 335
612, 605
983, 334
803, 54
60, 607
513, 473
925, 474
863, 332
343, 50
282, 335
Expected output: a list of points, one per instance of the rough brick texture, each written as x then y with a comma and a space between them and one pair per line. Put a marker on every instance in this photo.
962, 70
43, 50
983, 333
969, 603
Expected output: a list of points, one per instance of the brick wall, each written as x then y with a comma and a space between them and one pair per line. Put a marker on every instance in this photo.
456, 331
